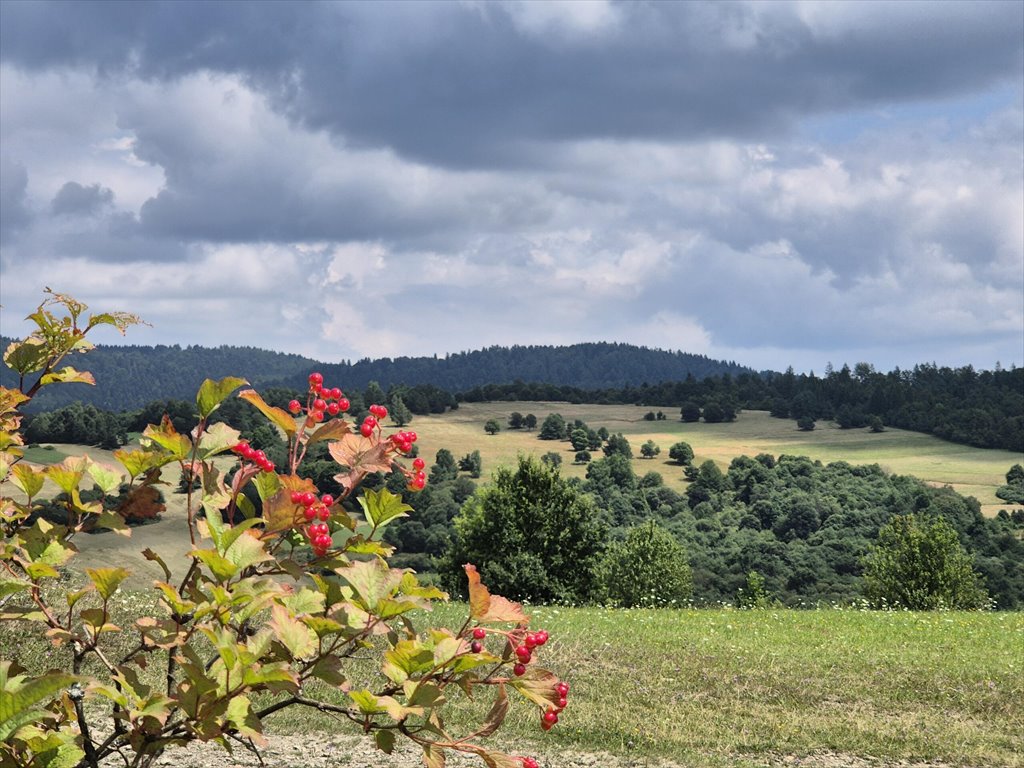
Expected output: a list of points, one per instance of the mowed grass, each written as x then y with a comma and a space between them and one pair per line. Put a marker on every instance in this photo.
722, 687
971, 471
731, 688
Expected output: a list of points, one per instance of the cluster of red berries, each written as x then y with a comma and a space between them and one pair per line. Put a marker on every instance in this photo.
550, 716
524, 652
314, 509
419, 478
528, 762
323, 401
248, 453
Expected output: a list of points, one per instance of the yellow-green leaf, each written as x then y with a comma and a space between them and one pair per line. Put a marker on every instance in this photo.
281, 418
28, 479
106, 477
107, 580
68, 473
212, 393
27, 356
168, 438
292, 633
222, 568
217, 439
382, 506
68, 375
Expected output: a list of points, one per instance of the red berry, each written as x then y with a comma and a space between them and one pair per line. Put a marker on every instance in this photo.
333, 409
296, 497
248, 452
405, 446
327, 500
240, 446
344, 404
334, 394
309, 513
529, 762
519, 670
316, 379
551, 716
562, 703
419, 463
546, 725
317, 416
319, 404
323, 513
530, 641
479, 633
294, 406
524, 654
309, 498
366, 429
541, 637
411, 436
476, 646
563, 689
267, 466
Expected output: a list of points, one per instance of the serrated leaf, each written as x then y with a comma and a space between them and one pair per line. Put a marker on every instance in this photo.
20, 694
56, 751
446, 650
27, 356
382, 506
407, 658
137, 462
495, 717
267, 484
538, 685
304, 601
106, 477
279, 511
485, 607
372, 580
29, 480
292, 633
216, 439
222, 568
330, 430
241, 716
246, 551
112, 522
168, 438
366, 701
433, 757
213, 393
68, 375
280, 417
68, 473
107, 580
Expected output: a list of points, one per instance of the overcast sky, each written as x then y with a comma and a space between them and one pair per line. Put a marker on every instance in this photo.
772, 183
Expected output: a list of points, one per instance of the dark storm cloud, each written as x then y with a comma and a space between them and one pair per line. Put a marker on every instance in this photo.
460, 84
75, 200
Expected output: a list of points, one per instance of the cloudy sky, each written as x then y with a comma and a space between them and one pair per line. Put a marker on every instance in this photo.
773, 183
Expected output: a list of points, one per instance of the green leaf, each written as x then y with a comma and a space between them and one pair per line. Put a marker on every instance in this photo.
446, 650
241, 716
281, 418
304, 601
57, 750
267, 484
292, 633
20, 693
107, 580
167, 437
106, 477
212, 393
138, 462
222, 568
382, 506
371, 580
433, 756
27, 356
29, 480
246, 551
10, 586
113, 522
385, 741
68, 375
217, 439
407, 658
366, 701
68, 473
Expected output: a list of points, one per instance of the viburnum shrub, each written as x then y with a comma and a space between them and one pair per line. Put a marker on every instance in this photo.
265, 612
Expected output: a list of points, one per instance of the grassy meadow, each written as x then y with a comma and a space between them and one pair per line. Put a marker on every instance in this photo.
971, 471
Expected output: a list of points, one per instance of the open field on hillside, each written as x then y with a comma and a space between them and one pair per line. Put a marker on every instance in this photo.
971, 471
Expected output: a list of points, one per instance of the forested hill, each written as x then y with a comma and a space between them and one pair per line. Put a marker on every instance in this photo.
129, 377
587, 366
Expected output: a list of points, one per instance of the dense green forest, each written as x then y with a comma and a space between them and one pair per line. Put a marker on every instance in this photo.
129, 377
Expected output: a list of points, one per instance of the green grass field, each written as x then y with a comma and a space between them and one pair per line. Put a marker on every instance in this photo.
972, 471
721, 687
